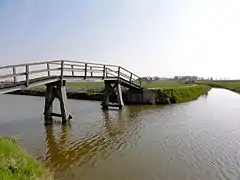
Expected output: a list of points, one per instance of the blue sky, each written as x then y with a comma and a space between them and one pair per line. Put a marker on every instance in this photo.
149, 37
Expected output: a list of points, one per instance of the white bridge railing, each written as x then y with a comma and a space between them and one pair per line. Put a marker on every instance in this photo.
25, 73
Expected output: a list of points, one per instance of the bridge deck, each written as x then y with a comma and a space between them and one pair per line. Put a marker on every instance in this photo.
21, 76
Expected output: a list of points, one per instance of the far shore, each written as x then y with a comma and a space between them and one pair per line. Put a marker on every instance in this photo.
164, 95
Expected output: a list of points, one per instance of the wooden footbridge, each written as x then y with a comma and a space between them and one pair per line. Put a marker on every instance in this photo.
54, 75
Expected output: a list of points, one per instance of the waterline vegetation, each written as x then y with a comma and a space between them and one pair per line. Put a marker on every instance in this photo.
16, 164
167, 92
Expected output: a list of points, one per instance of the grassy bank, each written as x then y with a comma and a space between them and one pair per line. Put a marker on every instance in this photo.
180, 94
164, 84
86, 84
230, 85
152, 84
165, 95
16, 164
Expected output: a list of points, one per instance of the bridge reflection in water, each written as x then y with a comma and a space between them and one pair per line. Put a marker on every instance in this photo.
64, 155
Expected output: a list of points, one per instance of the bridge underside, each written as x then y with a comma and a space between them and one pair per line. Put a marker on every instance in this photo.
6, 87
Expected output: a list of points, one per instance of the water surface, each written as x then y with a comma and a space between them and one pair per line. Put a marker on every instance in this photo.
195, 140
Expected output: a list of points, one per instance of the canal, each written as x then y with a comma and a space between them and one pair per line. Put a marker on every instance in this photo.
194, 140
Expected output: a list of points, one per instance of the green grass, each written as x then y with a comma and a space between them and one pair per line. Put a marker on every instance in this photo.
153, 84
86, 84
16, 164
164, 83
180, 94
231, 85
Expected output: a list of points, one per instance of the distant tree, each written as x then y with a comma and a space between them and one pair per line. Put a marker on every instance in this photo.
144, 78
176, 78
156, 78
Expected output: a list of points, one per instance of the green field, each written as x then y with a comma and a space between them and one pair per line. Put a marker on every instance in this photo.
164, 84
86, 84
231, 85
153, 84
16, 164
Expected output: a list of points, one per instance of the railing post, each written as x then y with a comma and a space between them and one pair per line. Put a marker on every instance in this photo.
140, 82
104, 71
48, 69
62, 68
131, 78
72, 70
91, 71
14, 73
119, 68
27, 75
85, 74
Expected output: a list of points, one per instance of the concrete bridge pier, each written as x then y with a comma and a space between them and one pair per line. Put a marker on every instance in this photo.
140, 96
112, 87
56, 90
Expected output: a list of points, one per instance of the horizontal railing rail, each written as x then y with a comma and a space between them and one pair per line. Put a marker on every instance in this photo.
65, 68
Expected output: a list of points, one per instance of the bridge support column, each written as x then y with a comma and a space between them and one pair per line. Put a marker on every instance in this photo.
56, 90
111, 88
